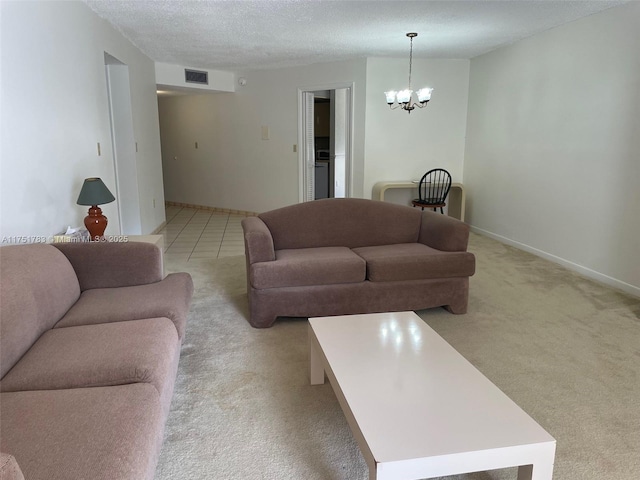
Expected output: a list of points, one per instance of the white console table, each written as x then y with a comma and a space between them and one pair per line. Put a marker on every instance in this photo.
455, 200
157, 240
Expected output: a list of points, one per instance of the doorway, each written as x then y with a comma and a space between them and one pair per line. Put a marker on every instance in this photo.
325, 132
124, 146
324, 169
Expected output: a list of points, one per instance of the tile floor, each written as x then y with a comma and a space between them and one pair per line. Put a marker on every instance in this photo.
192, 234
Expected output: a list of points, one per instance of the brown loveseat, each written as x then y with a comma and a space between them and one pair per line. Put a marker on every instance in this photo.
348, 256
90, 338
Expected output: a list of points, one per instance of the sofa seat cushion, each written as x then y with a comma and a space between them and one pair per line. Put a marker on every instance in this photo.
102, 433
168, 298
414, 261
309, 266
98, 355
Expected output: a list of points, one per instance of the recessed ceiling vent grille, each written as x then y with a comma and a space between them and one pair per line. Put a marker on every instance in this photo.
196, 76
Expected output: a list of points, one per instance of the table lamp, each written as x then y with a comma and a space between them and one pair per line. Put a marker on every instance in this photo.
94, 192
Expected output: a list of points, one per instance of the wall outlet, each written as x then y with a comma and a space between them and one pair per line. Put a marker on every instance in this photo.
295, 148
265, 132
154, 203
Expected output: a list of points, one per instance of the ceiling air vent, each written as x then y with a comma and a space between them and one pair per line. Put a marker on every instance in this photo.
196, 76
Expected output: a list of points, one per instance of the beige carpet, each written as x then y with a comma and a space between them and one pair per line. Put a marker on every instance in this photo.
567, 350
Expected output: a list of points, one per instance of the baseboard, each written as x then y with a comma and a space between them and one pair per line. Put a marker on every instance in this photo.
211, 209
587, 272
160, 227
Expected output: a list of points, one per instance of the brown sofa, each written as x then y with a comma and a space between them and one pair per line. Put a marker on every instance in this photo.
348, 256
90, 338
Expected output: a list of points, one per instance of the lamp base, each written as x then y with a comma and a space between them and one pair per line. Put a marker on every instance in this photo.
96, 223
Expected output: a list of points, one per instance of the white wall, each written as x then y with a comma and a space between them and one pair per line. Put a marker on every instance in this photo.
232, 166
55, 111
403, 146
552, 159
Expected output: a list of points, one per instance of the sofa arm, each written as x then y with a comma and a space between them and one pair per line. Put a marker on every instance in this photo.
443, 233
258, 242
108, 265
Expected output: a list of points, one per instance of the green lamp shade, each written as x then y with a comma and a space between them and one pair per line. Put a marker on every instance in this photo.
94, 192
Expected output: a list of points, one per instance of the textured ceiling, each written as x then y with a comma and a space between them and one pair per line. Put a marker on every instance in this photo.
247, 35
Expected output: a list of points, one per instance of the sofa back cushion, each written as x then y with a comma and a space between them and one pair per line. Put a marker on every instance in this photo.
342, 222
37, 287
121, 264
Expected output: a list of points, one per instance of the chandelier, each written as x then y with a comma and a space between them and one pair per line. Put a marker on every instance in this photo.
404, 98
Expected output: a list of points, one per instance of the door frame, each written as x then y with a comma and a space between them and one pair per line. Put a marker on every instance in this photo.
303, 147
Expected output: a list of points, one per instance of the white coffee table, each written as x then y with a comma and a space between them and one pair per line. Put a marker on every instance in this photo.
416, 407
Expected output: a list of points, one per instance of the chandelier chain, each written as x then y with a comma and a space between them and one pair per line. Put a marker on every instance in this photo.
410, 61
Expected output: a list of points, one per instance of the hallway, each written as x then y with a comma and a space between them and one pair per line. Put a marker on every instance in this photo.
193, 234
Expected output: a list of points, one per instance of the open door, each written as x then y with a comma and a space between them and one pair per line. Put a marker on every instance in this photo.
124, 146
340, 141
308, 147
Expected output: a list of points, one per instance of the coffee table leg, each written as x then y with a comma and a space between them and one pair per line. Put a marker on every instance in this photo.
536, 472
316, 369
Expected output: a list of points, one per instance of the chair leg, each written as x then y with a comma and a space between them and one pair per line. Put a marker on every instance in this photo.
441, 211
